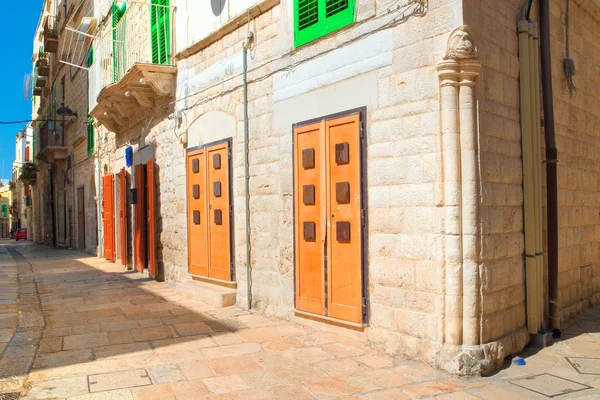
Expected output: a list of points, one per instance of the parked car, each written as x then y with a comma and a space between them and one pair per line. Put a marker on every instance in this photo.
21, 234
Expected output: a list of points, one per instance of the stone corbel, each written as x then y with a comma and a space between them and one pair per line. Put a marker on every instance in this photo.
162, 83
144, 97
458, 74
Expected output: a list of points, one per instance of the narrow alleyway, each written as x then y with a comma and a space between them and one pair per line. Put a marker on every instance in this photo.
78, 327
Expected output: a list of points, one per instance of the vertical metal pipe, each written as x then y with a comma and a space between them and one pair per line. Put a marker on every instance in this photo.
528, 182
551, 160
99, 203
246, 172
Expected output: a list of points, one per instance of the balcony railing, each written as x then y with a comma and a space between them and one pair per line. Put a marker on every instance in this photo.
50, 135
141, 33
133, 69
51, 32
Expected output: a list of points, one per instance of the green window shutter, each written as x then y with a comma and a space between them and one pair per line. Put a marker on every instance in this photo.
90, 57
90, 136
316, 18
118, 45
160, 32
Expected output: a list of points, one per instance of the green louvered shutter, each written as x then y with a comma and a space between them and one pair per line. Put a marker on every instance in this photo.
90, 136
90, 121
316, 18
118, 42
160, 32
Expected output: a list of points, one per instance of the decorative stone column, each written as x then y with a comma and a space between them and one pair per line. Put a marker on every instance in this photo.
458, 76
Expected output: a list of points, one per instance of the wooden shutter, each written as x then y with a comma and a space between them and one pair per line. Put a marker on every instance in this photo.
117, 14
90, 136
160, 27
316, 18
26, 153
140, 217
123, 214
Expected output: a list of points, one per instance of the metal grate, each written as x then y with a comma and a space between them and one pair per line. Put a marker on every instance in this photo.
10, 396
549, 385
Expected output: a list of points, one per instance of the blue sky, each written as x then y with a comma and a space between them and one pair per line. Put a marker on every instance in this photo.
16, 49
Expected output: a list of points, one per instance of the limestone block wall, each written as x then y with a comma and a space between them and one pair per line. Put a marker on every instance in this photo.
502, 268
390, 71
577, 120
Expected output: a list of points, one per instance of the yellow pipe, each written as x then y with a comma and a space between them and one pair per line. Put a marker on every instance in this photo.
528, 182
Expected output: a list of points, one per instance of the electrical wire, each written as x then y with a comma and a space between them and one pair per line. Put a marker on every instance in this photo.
568, 63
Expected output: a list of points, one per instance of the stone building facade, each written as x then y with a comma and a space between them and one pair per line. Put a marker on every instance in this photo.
434, 90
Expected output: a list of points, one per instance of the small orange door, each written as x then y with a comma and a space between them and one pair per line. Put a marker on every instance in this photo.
108, 217
344, 247
310, 227
218, 212
329, 218
209, 204
151, 218
140, 217
123, 214
197, 214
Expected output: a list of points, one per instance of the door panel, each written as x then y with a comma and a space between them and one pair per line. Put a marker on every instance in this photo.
81, 218
197, 214
151, 218
344, 250
309, 216
219, 253
140, 217
123, 214
108, 217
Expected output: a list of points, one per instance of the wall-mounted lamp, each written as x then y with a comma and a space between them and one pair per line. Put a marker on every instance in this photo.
66, 112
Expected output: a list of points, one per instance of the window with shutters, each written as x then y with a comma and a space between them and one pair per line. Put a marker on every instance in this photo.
316, 18
90, 136
90, 121
160, 27
118, 39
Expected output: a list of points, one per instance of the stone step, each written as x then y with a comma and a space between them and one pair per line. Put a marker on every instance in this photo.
215, 295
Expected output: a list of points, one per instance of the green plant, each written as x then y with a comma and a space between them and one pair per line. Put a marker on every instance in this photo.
28, 173
11, 185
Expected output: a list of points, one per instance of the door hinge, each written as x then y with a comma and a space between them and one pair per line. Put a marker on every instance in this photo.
362, 217
230, 211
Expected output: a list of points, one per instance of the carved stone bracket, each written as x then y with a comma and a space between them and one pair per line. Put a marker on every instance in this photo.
144, 87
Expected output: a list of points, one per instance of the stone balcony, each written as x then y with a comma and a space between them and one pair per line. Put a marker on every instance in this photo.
143, 88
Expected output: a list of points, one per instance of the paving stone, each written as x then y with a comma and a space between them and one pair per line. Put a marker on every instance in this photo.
375, 362
195, 369
308, 355
118, 326
192, 329
119, 350
233, 365
225, 338
166, 374
387, 378
120, 337
261, 379
6, 334
63, 358
346, 366
147, 323
85, 329
14, 366
337, 386
247, 394
434, 388
50, 345
154, 333
122, 394
386, 394
85, 341
58, 388
225, 384
189, 390
291, 392
232, 350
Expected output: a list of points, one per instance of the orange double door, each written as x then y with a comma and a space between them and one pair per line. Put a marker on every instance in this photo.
209, 211
329, 207
108, 217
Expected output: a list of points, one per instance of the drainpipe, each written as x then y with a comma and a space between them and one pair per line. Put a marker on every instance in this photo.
551, 172
99, 202
245, 49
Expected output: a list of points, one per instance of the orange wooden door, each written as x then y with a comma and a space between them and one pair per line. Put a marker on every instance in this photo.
309, 216
219, 239
197, 212
140, 217
123, 214
151, 218
108, 217
344, 225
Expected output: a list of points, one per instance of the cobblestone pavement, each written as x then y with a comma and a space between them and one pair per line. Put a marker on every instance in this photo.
78, 327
